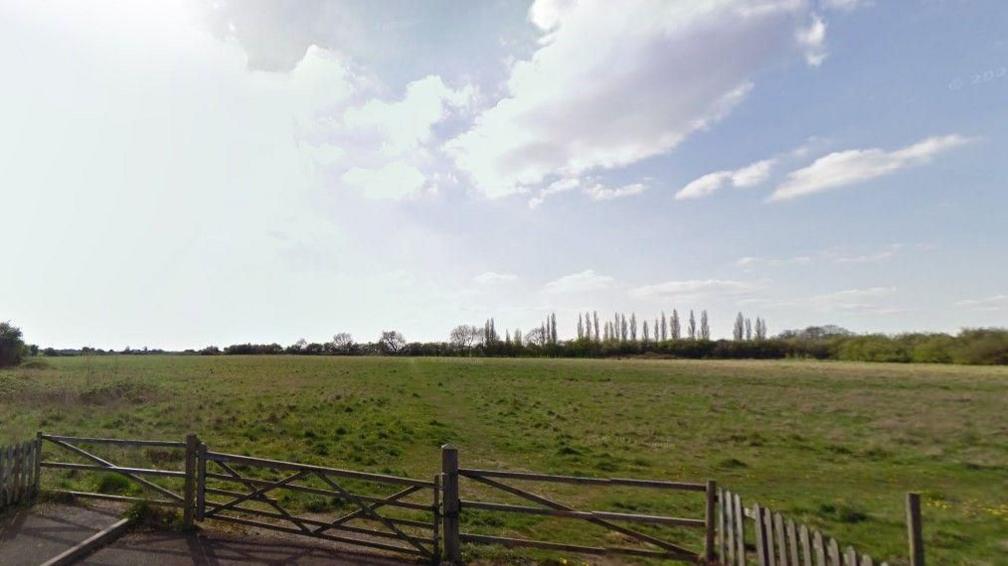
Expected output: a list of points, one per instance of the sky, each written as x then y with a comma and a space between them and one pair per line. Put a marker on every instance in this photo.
177, 174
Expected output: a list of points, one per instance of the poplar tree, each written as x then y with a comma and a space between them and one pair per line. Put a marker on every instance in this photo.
691, 328
704, 326
748, 329
664, 327
595, 316
645, 332
633, 327
580, 328
738, 330
675, 327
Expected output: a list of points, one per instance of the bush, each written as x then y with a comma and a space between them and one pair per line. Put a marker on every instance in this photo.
12, 348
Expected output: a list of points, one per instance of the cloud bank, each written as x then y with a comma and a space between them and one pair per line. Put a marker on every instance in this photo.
610, 87
845, 168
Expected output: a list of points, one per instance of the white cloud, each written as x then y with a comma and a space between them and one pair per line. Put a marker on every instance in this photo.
845, 5
870, 300
987, 304
813, 39
693, 288
857, 300
402, 126
491, 277
586, 280
744, 177
601, 192
609, 87
556, 187
848, 167
751, 261
874, 257
395, 180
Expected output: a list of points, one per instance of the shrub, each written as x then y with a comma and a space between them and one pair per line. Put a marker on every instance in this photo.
12, 348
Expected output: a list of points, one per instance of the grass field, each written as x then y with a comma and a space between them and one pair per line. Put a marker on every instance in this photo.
835, 444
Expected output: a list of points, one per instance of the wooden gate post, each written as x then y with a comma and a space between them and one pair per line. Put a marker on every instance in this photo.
201, 481
710, 521
915, 532
450, 495
192, 444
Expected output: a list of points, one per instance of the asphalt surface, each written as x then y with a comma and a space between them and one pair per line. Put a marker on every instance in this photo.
208, 548
32, 535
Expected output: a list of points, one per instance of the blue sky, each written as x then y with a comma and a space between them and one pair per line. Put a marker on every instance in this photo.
178, 174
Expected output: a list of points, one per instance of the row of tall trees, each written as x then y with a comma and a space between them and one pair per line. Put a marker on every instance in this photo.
623, 329
744, 329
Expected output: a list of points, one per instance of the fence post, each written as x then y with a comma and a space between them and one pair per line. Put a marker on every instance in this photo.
190, 480
201, 481
38, 463
450, 496
710, 521
915, 532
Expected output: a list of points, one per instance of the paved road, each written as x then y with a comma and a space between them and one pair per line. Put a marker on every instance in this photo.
29, 536
212, 549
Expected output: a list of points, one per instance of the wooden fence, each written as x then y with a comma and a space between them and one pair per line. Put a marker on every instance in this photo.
237, 488
758, 535
19, 472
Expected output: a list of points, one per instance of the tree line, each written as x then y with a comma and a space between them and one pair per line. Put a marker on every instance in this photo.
615, 336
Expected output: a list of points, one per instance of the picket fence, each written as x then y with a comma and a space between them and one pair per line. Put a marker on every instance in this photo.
19, 472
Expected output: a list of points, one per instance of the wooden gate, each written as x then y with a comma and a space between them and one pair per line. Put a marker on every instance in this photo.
651, 546
168, 493
405, 520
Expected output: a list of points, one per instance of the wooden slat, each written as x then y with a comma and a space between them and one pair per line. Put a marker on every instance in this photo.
819, 546
761, 540
850, 556
102, 461
768, 524
728, 504
110, 497
739, 529
806, 546
117, 469
659, 484
325, 492
18, 471
792, 542
833, 552
722, 530
597, 550
371, 513
601, 522
281, 465
345, 540
403, 522
782, 551
317, 523
38, 463
867, 561
3, 477
256, 493
115, 441
359, 513
585, 515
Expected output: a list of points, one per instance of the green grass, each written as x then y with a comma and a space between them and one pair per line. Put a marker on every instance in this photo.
834, 444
